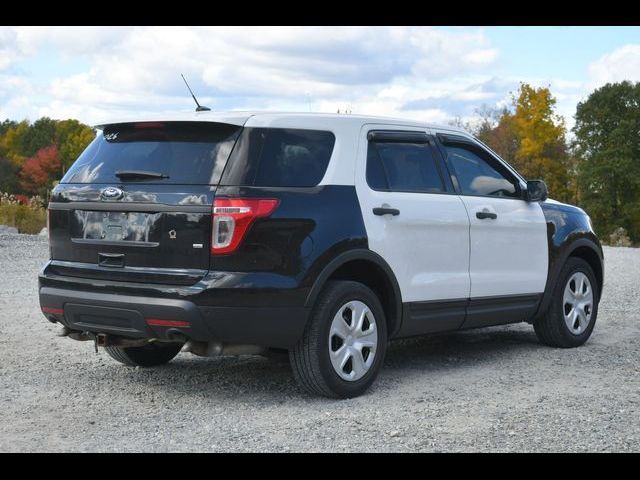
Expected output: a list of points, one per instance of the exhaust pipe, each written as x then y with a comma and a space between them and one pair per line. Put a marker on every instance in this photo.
176, 335
218, 349
63, 332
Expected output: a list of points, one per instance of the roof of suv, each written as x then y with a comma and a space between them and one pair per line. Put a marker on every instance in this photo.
277, 119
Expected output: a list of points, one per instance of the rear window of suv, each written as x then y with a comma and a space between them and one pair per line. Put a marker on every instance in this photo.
279, 157
181, 152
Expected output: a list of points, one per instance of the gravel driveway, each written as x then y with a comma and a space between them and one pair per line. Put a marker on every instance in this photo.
495, 389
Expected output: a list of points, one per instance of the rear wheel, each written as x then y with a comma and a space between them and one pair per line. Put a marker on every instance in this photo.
344, 343
150, 355
572, 313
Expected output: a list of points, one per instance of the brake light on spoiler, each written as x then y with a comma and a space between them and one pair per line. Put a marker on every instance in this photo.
232, 218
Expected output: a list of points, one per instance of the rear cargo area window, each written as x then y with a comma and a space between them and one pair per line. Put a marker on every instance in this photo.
187, 153
278, 157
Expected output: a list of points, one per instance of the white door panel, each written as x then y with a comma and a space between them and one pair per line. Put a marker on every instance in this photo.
426, 244
509, 254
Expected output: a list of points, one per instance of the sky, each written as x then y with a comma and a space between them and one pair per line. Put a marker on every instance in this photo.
432, 74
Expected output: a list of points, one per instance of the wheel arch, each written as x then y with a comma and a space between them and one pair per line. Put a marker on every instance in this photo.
585, 248
370, 269
590, 255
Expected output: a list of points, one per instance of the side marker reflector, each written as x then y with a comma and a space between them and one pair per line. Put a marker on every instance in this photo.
57, 311
156, 322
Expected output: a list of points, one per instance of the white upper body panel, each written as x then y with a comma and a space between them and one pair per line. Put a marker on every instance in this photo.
277, 119
346, 129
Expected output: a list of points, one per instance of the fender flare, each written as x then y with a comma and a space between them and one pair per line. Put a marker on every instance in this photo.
556, 264
358, 254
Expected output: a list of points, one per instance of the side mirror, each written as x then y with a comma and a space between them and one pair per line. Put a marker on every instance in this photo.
536, 191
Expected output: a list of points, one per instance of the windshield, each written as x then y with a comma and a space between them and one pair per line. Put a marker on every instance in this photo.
175, 152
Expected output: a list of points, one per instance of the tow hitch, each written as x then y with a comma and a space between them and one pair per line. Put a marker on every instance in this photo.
104, 339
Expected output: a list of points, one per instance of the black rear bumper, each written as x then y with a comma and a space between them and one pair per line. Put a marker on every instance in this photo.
125, 315
132, 310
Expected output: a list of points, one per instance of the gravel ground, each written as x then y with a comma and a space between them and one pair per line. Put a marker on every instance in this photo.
495, 389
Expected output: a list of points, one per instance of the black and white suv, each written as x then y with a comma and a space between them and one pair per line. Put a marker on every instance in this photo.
325, 235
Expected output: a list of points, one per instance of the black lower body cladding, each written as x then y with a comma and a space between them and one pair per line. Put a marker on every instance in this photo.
155, 311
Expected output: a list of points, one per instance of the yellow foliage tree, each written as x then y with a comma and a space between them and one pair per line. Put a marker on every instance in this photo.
542, 149
11, 143
72, 137
531, 136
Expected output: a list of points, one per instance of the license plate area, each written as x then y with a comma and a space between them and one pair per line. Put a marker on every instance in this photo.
134, 227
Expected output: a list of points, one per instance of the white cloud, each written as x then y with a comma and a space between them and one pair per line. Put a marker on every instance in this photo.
481, 57
417, 72
7, 51
137, 69
621, 64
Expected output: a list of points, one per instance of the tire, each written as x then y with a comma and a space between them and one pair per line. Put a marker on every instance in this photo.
552, 329
150, 355
311, 360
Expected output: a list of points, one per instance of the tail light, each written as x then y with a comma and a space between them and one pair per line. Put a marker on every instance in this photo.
232, 217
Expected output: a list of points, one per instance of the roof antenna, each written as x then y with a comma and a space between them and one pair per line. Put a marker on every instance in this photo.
199, 108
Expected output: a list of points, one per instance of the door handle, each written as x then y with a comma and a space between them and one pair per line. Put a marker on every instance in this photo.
386, 211
486, 214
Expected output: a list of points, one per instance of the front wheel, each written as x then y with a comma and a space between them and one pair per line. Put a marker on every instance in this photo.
149, 355
572, 313
344, 343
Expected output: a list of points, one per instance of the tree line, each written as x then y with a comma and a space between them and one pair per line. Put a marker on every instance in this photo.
33, 156
596, 165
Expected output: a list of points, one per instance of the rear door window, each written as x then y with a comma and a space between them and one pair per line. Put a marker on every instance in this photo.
188, 153
279, 157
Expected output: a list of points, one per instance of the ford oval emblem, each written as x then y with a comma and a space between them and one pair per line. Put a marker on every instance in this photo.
112, 193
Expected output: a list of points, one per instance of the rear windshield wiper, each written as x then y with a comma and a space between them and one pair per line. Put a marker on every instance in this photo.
134, 174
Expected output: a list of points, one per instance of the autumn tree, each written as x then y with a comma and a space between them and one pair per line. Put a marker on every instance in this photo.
20, 141
496, 129
542, 149
72, 137
8, 176
6, 125
12, 142
39, 172
607, 144
531, 137
41, 134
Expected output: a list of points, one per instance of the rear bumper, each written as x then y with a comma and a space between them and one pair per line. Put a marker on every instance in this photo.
135, 310
125, 315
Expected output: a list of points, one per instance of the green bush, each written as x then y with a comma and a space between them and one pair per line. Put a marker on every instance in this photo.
26, 218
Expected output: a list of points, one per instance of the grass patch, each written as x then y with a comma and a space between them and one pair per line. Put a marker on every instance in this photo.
25, 218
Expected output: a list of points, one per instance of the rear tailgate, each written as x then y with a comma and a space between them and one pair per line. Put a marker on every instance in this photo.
132, 241
136, 227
